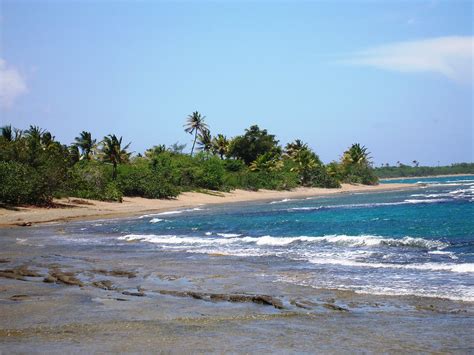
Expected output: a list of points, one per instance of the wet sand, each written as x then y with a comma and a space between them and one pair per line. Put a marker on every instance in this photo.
74, 209
100, 297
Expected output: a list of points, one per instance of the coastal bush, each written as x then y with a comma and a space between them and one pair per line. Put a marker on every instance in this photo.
92, 180
18, 183
145, 180
360, 174
210, 174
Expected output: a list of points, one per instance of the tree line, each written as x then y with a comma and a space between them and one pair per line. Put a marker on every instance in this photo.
403, 170
35, 167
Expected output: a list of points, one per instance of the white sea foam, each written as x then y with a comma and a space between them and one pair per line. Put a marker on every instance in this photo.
173, 239
434, 200
283, 201
170, 212
228, 235
156, 220
443, 252
267, 240
432, 195
460, 268
459, 293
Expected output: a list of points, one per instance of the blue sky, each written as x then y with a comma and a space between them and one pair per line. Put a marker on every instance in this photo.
394, 76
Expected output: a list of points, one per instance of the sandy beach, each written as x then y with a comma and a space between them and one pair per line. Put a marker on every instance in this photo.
71, 209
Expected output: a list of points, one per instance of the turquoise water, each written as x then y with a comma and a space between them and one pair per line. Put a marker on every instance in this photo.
414, 242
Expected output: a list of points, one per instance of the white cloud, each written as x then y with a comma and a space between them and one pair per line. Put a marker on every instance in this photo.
12, 84
451, 57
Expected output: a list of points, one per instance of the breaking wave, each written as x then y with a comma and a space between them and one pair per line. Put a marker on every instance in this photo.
342, 240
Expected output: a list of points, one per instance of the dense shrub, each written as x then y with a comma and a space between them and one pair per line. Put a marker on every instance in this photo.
90, 179
145, 180
210, 174
19, 184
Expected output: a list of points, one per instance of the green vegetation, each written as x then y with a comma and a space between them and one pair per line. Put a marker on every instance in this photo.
403, 170
35, 168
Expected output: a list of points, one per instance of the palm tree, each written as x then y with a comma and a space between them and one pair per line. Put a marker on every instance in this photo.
305, 163
35, 133
293, 148
195, 124
114, 153
267, 162
86, 144
7, 133
220, 145
33, 136
356, 154
205, 140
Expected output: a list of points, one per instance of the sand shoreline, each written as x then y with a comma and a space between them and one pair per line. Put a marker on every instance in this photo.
73, 209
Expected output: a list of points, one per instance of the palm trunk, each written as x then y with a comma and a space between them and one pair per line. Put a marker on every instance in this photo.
195, 138
114, 171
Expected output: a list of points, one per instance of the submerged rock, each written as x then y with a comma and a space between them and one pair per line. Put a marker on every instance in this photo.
67, 278
104, 284
335, 307
131, 293
18, 297
303, 304
219, 297
18, 273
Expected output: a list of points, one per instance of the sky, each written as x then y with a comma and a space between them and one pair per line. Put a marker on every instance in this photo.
395, 76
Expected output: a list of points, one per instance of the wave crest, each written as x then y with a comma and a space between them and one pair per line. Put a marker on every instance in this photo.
267, 240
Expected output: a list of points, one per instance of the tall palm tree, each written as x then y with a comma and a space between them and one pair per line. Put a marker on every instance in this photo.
7, 133
220, 145
114, 153
85, 142
195, 124
205, 140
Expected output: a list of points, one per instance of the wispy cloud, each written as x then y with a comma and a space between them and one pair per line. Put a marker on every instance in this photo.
451, 57
12, 84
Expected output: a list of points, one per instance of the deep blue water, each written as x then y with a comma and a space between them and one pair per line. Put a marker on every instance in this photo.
414, 242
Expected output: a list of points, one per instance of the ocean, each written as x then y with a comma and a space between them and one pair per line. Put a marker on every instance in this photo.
418, 242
